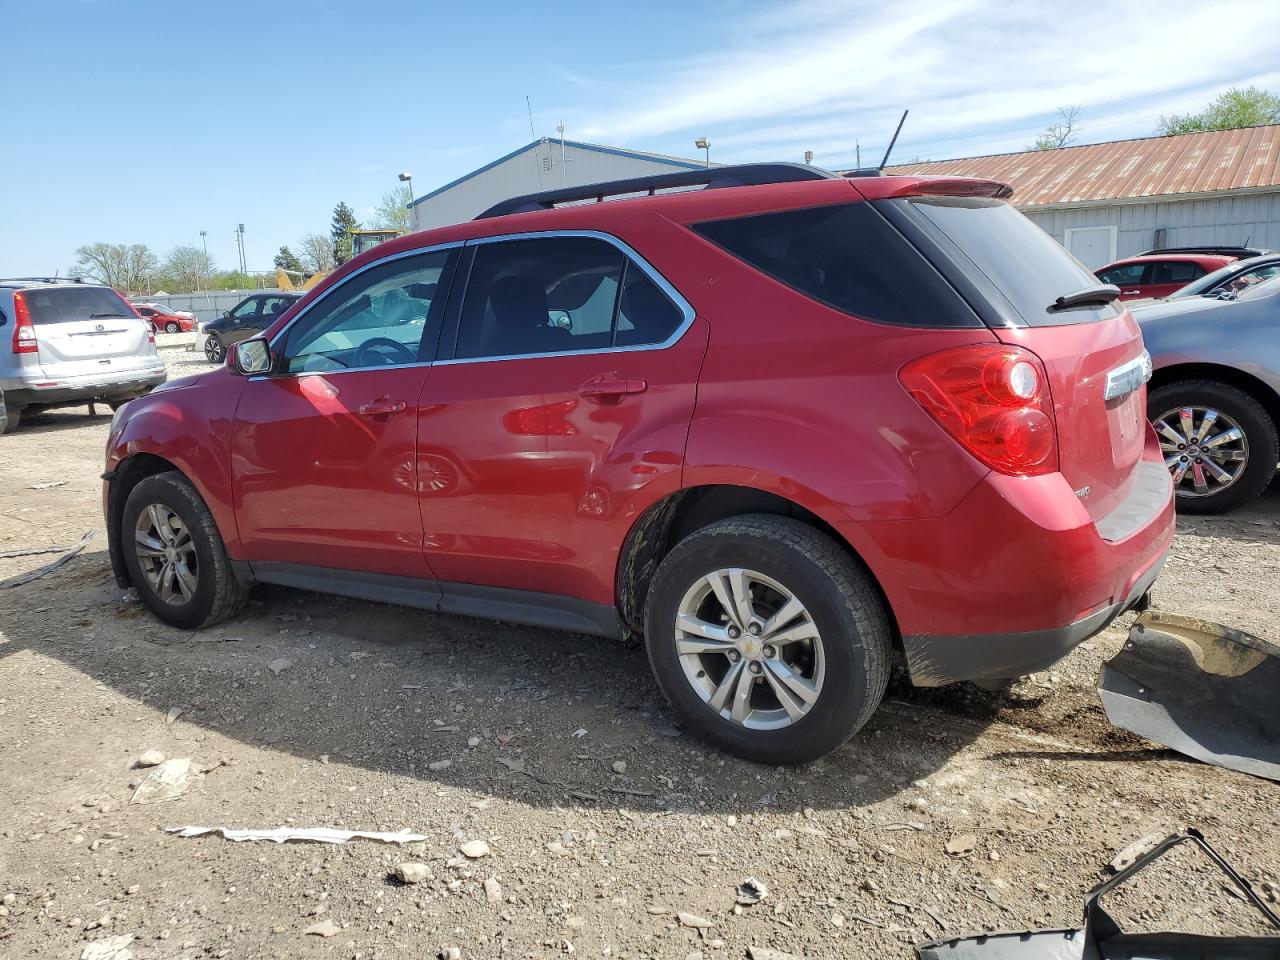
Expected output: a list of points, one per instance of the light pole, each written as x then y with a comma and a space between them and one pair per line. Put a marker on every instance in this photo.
702, 143
407, 178
204, 245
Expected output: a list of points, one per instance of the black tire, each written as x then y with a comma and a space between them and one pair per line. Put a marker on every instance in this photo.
1259, 430
14, 418
218, 594
214, 350
172, 327
839, 596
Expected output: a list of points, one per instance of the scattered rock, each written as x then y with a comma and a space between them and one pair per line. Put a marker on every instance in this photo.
11, 898
764, 953
693, 920
575, 923
409, 872
473, 742
474, 849
1126, 857
438, 765
751, 891
492, 890
964, 843
149, 758
449, 953
837, 919
279, 665
580, 732
919, 804
173, 714
325, 928
619, 766
112, 948
168, 781
656, 910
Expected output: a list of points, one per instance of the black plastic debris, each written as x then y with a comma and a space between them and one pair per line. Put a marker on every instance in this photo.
1101, 937
1200, 688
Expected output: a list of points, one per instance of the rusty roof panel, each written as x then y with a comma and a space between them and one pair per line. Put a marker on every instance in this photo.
1127, 169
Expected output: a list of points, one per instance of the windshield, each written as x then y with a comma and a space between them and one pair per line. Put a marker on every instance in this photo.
71, 303
1258, 291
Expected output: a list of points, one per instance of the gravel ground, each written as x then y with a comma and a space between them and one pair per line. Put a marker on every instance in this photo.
606, 832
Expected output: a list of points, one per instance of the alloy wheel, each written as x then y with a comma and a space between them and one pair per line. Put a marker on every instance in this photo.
213, 350
166, 554
1205, 450
750, 649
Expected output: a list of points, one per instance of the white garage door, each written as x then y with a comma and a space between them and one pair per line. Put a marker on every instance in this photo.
1093, 246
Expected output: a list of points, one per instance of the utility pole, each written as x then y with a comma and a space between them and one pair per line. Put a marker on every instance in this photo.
204, 245
564, 167
244, 269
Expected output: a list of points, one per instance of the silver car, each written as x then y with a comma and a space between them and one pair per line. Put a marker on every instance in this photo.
1214, 398
64, 342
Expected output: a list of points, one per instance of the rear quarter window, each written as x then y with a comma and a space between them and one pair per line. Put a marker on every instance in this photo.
847, 257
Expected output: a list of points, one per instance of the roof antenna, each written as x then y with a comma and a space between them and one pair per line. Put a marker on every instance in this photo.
894, 140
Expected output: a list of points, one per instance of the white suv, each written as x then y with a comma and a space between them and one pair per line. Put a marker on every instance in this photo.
66, 341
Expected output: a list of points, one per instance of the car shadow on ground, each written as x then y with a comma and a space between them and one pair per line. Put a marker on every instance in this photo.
1258, 521
533, 715
64, 418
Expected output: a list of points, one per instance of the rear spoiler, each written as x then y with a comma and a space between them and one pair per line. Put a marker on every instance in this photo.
892, 187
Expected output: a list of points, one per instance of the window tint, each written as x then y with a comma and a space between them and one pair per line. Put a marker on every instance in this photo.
246, 309
645, 314
272, 307
847, 257
540, 296
1027, 266
67, 304
1175, 271
1121, 276
389, 315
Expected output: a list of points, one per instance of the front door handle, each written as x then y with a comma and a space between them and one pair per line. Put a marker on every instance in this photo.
607, 389
380, 407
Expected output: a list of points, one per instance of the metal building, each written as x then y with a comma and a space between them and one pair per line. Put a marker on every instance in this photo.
544, 164
1103, 201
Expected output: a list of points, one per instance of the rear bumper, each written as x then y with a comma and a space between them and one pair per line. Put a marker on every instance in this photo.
80, 389
1018, 573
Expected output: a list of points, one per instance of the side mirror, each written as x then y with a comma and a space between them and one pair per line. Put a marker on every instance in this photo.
226, 314
250, 357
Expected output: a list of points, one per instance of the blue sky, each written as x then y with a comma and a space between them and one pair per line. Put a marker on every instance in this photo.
145, 122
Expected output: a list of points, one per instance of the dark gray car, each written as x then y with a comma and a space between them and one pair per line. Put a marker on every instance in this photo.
1214, 397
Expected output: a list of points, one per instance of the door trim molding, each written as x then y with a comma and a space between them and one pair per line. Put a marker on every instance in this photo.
527, 607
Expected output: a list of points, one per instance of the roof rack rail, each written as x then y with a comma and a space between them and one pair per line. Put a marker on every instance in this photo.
42, 279
1225, 251
710, 178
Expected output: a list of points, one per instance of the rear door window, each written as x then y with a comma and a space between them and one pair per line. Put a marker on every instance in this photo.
847, 257
1176, 271
67, 304
1128, 275
1004, 253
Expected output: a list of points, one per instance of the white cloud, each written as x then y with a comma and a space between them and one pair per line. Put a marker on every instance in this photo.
977, 76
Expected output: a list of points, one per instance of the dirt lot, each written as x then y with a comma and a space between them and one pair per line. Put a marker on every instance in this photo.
608, 832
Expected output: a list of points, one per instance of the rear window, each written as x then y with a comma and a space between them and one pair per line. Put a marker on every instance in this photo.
1022, 262
847, 257
66, 304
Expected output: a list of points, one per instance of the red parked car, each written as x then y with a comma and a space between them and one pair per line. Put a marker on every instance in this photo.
1158, 275
167, 320
777, 427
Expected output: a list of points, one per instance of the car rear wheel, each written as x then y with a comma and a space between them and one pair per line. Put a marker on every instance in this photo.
175, 556
767, 638
1219, 443
13, 418
214, 351
172, 327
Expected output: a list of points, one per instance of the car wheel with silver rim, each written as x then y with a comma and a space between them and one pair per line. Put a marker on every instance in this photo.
1218, 442
173, 553
767, 637
214, 351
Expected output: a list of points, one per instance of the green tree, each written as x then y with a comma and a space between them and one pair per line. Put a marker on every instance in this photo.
1061, 134
287, 260
188, 267
393, 211
317, 252
127, 267
1238, 107
344, 221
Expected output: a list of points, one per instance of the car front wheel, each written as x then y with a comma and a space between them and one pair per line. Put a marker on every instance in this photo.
172, 327
1219, 443
767, 638
214, 351
175, 556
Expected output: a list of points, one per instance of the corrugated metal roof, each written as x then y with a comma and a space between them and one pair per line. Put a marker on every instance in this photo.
1194, 163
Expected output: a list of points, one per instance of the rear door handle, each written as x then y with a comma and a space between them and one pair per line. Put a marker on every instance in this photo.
381, 406
605, 389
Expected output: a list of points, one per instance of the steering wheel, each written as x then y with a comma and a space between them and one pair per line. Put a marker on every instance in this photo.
382, 350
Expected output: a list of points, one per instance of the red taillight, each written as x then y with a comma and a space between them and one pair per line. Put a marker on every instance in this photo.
992, 398
151, 334
24, 331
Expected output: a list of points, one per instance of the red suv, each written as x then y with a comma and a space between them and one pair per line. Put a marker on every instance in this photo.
780, 427
1158, 275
